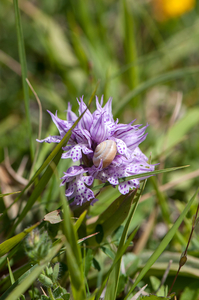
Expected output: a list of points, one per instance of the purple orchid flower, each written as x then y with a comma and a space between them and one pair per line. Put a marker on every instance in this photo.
107, 151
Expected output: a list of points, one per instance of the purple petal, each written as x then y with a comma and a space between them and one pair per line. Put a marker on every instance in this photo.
98, 130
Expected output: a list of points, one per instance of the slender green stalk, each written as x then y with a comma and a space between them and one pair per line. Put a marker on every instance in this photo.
22, 57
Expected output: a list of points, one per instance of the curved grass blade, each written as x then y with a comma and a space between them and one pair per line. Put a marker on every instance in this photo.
163, 244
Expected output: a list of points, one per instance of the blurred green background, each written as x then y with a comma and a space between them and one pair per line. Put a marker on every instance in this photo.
70, 45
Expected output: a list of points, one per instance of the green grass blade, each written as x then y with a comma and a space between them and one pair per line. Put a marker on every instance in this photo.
162, 245
7, 194
74, 258
140, 176
114, 276
6, 246
22, 57
10, 272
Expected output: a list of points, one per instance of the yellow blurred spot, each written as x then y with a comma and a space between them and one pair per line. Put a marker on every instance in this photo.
166, 9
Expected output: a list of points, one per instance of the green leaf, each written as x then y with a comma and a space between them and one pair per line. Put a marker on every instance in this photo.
112, 217
74, 259
10, 272
191, 292
88, 261
162, 245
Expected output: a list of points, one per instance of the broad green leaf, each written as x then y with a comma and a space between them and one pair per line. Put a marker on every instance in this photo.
112, 217
162, 245
12, 242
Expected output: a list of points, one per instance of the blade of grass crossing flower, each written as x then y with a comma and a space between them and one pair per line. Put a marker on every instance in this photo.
140, 176
22, 57
6, 246
55, 156
25, 281
163, 244
55, 151
74, 258
114, 276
